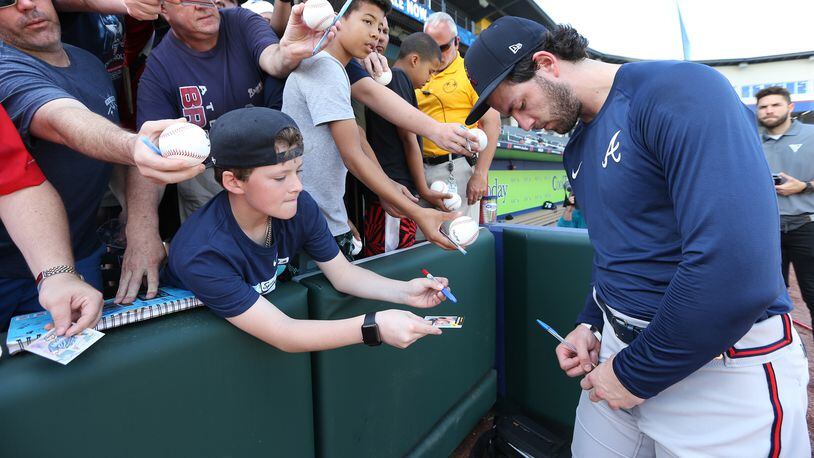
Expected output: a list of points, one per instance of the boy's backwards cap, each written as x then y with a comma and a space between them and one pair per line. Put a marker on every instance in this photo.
244, 138
494, 54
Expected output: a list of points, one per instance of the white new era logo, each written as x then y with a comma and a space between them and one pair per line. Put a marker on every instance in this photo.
515, 47
795, 147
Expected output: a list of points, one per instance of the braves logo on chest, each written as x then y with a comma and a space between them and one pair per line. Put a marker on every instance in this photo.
192, 104
613, 150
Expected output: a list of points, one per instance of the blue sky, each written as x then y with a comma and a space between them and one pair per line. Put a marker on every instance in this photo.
717, 29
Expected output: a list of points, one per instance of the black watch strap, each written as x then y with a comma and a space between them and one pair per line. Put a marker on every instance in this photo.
370, 330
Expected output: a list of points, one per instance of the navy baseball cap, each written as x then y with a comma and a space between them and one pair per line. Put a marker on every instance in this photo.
244, 138
494, 54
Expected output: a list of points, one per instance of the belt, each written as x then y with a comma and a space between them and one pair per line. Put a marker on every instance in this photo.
624, 331
436, 160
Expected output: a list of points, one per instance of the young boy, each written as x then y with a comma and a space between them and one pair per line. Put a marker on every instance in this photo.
317, 97
230, 251
395, 148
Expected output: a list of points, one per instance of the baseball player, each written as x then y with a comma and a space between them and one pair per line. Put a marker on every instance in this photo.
698, 356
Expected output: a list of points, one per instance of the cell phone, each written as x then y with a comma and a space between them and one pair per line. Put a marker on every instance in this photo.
777, 179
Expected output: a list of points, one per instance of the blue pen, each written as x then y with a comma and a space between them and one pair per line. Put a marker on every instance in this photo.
149, 144
338, 16
444, 290
557, 336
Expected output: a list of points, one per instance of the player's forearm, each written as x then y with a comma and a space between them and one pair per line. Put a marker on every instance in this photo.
393, 108
36, 221
70, 123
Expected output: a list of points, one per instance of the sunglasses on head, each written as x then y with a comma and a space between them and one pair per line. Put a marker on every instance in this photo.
7, 3
444, 48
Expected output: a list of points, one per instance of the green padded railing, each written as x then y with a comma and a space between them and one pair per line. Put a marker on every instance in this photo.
384, 402
547, 276
188, 384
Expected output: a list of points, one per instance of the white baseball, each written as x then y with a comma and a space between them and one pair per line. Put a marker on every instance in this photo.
463, 230
184, 141
482, 139
356, 245
453, 203
318, 14
385, 78
440, 186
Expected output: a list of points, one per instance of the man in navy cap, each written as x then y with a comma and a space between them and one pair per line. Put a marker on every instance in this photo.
697, 346
230, 251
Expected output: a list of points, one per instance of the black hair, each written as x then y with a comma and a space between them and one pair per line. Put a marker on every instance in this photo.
422, 44
563, 41
384, 5
773, 90
290, 135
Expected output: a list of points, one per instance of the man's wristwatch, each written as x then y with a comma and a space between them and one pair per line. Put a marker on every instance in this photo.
370, 331
56, 270
809, 187
594, 330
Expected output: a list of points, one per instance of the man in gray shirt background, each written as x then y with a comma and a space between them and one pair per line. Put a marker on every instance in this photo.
789, 148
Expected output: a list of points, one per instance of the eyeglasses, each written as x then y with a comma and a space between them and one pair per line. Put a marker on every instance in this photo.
198, 3
7, 3
451, 43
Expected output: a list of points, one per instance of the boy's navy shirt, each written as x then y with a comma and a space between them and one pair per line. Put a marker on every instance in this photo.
683, 217
384, 138
28, 83
212, 256
201, 86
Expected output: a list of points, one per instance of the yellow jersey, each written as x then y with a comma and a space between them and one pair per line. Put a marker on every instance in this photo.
457, 97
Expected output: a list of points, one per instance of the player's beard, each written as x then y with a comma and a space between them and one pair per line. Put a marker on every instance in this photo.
563, 106
772, 125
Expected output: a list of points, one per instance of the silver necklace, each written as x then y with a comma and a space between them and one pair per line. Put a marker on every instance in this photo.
268, 232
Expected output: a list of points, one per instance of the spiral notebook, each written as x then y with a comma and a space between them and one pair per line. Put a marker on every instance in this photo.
24, 329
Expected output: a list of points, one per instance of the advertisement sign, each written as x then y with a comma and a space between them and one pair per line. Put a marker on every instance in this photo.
518, 190
419, 12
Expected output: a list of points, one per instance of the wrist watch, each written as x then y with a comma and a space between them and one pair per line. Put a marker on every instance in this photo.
370, 331
56, 270
594, 330
809, 187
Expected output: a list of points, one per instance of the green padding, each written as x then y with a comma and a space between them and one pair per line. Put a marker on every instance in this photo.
187, 384
451, 430
547, 276
380, 402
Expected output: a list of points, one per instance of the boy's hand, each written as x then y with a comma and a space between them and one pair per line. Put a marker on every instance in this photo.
430, 221
450, 137
400, 328
423, 292
436, 198
375, 64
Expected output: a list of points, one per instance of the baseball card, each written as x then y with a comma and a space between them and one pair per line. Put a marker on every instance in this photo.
446, 322
64, 349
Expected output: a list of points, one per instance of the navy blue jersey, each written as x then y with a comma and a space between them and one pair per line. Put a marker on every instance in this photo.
682, 215
28, 83
212, 256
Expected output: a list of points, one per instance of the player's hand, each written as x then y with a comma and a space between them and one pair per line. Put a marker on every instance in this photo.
477, 187
143, 10
375, 64
435, 198
400, 328
430, 221
73, 304
157, 168
142, 258
790, 186
587, 356
423, 292
451, 137
604, 386
298, 41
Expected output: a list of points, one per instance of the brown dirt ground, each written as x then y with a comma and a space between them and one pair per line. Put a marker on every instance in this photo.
800, 314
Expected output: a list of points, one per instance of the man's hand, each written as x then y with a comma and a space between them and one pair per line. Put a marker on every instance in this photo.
143, 256
435, 198
157, 168
73, 304
298, 41
587, 356
430, 221
375, 64
400, 328
452, 137
604, 386
790, 185
423, 292
143, 10
477, 187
